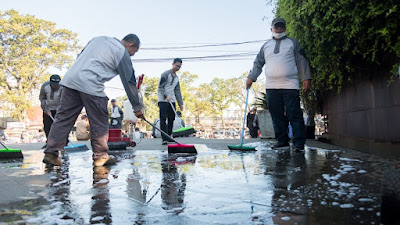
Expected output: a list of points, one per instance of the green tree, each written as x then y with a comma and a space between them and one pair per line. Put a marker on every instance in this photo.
200, 105
239, 84
221, 96
150, 99
29, 47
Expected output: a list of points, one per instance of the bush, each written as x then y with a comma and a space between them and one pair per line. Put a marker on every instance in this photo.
345, 40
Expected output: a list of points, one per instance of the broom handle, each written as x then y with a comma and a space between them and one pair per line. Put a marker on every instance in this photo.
4, 145
173, 108
244, 117
170, 138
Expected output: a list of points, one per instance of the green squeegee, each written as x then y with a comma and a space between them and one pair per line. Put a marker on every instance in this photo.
241, 147
8, 153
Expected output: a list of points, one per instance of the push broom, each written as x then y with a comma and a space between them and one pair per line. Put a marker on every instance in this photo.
175, 148
241, 147
72, 147
8, 153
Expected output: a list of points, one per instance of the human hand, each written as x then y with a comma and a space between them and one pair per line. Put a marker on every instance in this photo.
139, 114
249, 82
181, 107
48, 113
168, 99
306, 85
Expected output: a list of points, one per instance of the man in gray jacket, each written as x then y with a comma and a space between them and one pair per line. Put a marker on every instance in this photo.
50, 95
284, 60
83, 86
169, 91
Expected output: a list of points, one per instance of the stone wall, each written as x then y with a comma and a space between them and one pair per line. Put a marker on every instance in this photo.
366, 116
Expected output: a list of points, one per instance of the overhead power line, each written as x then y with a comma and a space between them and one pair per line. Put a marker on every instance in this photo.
203, 46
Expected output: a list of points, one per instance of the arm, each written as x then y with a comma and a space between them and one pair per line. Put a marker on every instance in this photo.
178, 95
42, 98
302, 64
121, 112
257, 68
127, 75
163, 82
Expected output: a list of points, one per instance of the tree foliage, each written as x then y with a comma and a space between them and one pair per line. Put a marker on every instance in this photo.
29, 47
344, 40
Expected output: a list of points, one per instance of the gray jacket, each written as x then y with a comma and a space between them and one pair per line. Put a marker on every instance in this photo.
49, 99
284, 59
102, 59
169, 86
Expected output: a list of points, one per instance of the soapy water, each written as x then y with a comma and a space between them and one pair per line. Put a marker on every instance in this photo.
215, 187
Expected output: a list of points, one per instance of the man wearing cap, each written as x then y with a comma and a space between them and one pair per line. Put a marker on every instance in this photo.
50, 95
284, 60
102, 59
116, 115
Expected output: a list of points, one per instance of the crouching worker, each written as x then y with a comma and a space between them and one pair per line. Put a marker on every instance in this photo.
82, 129
83, 86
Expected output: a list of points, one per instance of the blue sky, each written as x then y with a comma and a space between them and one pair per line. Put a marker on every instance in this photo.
162, 23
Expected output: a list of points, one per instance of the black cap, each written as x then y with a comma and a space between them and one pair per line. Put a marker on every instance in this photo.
55, 79
278, 20
113, 100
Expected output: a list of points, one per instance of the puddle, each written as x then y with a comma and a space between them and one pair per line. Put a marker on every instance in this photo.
215, 187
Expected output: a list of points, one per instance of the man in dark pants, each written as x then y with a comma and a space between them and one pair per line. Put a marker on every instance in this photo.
284, 59
252, 123
102, 59
169, 91
50, 95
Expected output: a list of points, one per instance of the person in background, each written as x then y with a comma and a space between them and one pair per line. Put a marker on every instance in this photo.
284, 60
169, 91
82, 129
116, 115
50, 96
252, 123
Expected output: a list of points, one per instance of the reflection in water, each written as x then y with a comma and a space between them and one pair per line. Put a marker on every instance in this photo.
101, 197
218, 187
173, 184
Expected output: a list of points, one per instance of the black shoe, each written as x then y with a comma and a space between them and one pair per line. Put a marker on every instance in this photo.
44, 146
299, 149
164, 142
281, 146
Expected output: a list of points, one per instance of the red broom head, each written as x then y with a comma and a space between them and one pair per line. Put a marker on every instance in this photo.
181, 148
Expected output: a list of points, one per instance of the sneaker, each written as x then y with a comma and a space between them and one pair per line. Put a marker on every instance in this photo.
105, 161
299, 149
52, 159
44, 146
281, 146
164, 142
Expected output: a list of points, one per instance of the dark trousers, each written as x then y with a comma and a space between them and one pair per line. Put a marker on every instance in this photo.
284, 106
47, 122
166, 112
253, 132
71, 105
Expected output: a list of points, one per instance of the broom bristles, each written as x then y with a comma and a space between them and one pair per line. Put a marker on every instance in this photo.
181, 148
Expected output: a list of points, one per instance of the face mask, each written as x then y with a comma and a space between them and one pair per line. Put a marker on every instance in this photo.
278, 35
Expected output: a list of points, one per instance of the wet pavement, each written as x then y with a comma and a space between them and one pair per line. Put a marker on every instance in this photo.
323, 185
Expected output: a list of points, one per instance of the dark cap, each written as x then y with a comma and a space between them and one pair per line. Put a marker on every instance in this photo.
55, 79
278, 20
113, 100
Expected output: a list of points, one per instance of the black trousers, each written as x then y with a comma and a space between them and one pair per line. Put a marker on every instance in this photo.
47, 122
166, 112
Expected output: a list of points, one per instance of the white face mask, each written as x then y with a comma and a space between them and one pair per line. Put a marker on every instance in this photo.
278, 35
